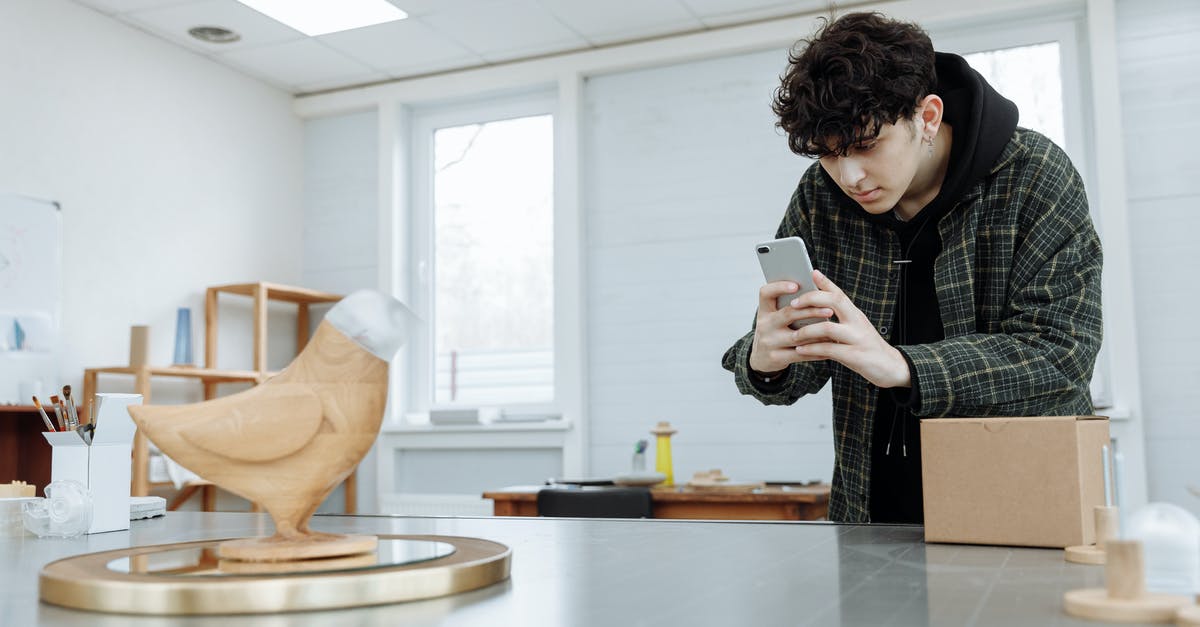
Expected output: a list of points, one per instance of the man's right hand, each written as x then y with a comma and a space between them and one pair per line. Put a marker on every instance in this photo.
774, 347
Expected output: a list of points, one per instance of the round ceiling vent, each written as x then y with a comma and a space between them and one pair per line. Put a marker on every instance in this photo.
214, 34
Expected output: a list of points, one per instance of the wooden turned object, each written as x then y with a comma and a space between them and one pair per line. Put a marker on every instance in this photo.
1189, 616
1124, 598
1106, 529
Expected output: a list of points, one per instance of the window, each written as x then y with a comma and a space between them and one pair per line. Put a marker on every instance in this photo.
485, 201
1036, 66
1031, 77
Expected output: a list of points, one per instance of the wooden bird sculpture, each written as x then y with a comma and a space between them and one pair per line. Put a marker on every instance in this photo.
290, 441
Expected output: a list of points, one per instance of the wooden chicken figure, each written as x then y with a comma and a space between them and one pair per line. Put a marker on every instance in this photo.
287, 443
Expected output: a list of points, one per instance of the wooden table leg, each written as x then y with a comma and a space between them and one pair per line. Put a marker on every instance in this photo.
209, 495
351, 488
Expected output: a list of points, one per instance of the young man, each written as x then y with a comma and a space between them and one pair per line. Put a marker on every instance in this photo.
957, 266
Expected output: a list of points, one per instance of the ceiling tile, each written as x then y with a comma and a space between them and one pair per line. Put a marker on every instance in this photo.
418, 8
601, 23
401, 44
297, 63
718, 12
419, 67
340, 82
173, 23
123, 6
503, 30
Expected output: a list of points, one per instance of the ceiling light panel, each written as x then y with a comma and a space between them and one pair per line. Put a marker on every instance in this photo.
319, 17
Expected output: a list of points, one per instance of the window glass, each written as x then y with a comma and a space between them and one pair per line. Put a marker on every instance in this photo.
493, 262
1030, 76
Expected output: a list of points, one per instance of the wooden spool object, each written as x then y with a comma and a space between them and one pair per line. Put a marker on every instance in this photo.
1106, 529
1124, 599
1189, 616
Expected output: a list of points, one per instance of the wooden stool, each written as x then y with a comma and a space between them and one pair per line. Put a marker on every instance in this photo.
1124, 599
208, 495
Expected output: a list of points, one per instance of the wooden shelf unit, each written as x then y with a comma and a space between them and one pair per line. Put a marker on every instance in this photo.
262, 293
210, 376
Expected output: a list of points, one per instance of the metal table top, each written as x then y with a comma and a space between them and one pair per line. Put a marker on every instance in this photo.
636, 572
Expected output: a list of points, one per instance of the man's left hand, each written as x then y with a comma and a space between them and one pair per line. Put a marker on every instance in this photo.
851, 341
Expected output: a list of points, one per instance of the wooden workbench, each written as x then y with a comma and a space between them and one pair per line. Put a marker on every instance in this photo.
770, 503
24, 453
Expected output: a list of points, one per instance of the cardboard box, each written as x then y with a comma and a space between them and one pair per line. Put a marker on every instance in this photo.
103, 466
1012, 481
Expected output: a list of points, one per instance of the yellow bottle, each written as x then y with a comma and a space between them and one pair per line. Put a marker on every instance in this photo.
662, 458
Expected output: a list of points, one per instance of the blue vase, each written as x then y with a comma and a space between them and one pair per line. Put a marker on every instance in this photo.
183, 337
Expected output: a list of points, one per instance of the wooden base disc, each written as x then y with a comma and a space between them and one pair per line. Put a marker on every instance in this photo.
240, 567
1188, 616
1084, 554
315, 546
1095, 604
194, 586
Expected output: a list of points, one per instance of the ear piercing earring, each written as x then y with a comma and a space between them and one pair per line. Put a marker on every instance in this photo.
929, 142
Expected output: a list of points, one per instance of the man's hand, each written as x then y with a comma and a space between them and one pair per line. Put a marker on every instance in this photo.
851, 341
774, 345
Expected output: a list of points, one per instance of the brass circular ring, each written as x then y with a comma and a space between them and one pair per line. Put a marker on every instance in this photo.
85, 582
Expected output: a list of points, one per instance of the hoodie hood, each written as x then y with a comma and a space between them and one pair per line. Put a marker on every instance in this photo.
982, 120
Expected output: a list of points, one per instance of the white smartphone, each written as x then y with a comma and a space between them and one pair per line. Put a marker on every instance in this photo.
787, 260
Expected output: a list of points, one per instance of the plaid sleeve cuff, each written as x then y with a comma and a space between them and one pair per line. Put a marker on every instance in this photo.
773, 392
934, 396
908, 397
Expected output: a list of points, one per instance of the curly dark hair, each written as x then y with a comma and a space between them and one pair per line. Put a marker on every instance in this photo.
853, 76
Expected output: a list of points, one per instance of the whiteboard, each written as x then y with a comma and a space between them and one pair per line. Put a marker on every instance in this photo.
30, 296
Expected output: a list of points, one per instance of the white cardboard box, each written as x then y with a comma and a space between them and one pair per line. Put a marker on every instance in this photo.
104, 466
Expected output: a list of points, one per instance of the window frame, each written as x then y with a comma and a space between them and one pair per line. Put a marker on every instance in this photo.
418, 382
1062, 29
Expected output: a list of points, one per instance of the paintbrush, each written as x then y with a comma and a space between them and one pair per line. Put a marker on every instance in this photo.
42, 411
85, 432
72, 415
56, 404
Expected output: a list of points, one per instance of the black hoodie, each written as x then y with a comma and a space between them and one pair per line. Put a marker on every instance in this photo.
982, 122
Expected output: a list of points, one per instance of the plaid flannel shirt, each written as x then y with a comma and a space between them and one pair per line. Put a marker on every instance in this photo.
1018, 287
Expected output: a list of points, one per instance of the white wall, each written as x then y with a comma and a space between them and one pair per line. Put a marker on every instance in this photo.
174, 174
1158, 49
341, 200
340, 241
683, 174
